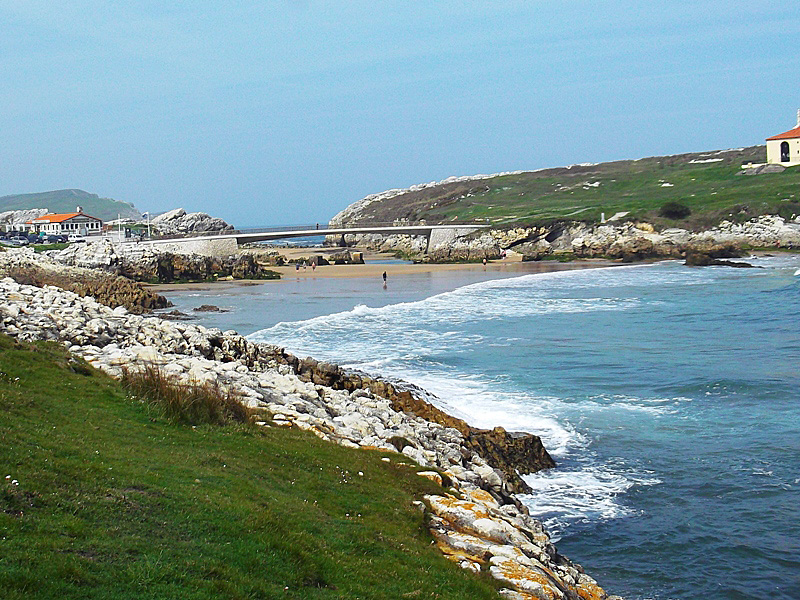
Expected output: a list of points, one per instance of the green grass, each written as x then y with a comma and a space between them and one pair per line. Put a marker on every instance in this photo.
115, 501
192, 404
43, 247
713, 191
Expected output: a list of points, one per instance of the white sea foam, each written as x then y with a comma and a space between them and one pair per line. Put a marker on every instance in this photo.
588, 492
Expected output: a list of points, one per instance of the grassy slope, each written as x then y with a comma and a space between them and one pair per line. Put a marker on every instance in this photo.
114, 502
65, 201
712, 190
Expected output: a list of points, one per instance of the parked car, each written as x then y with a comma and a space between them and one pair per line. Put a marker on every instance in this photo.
55, 239
19, 240
75, 237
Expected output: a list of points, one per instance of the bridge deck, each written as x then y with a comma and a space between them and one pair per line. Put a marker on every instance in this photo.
244, 236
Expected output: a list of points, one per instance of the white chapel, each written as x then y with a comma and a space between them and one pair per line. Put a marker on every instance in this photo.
784, 148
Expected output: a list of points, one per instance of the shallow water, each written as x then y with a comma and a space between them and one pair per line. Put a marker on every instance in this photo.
667, 395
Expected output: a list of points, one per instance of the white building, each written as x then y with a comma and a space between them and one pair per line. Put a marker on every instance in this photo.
66, 223
784, 148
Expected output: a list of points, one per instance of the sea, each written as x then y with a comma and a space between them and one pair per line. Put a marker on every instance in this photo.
668, 395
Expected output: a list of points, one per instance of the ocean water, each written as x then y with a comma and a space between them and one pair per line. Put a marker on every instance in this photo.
669, 397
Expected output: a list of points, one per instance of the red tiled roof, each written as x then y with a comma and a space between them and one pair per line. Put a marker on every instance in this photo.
787, 135
59, 218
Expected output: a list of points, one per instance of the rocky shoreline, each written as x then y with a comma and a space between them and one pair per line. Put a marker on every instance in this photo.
476, 521
628, 241
26, 266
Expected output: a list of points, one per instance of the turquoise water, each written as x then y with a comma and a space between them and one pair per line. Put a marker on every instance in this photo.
667, 395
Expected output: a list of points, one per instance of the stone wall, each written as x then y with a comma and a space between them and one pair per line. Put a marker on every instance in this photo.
199, 246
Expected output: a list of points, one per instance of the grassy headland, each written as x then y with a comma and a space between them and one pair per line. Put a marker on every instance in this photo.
107, 498
65, 201
709, 183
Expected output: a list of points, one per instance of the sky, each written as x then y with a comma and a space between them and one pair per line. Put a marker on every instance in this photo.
284, 112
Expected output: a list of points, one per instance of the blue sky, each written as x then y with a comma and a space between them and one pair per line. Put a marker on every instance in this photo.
285, 112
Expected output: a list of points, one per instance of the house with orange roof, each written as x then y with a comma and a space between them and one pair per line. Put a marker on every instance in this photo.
784, 148
66, 223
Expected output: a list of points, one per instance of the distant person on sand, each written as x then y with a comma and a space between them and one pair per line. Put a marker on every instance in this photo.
384, 277
297, 266
484, 263
313, 265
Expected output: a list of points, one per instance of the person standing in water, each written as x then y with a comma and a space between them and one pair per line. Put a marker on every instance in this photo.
384, 280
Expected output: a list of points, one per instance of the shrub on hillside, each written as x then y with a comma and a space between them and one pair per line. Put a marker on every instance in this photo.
674, 210
193, 404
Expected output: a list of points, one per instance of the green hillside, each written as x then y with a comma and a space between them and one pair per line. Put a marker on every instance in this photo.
106, 498
64, 201
709, 183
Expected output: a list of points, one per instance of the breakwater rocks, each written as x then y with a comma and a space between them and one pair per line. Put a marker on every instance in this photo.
141, 262
627, 241
475, 520
25, 266
510, 453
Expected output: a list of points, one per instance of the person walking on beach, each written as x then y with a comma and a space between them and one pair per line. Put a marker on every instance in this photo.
384, 277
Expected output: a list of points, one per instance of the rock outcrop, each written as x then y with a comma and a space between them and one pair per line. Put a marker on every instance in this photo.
178, 221
10, 219
26, 266
141, 262
626, 241
703, 259
475, 519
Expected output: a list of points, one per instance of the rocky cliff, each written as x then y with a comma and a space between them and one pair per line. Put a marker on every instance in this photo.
628, 241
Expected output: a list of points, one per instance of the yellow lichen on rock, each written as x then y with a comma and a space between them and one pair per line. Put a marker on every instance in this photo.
526, 580
588, 589
508, 594
483, 497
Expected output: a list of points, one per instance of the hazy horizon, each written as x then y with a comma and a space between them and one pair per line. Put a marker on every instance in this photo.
288, 111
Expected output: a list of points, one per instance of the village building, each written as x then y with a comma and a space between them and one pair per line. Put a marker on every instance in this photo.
784, 148
65, 224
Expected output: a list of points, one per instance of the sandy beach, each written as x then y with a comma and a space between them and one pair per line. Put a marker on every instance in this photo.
378, 263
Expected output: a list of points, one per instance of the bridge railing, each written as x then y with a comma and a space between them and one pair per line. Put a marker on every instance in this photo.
312, 229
